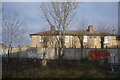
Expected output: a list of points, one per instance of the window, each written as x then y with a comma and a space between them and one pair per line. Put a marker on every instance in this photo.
41, 38
58, 38
85, 39
66, 38
105, 39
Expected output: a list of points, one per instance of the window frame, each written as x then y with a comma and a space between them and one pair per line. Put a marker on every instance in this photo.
41, 38
106, 41
85, 39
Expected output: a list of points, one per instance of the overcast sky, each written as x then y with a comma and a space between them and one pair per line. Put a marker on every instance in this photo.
94, 12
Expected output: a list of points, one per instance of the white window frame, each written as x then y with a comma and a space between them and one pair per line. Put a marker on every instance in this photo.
85, 39
41, 38
58, 38
106, 39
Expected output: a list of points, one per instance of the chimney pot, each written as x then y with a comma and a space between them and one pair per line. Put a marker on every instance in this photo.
90, 28
52, 28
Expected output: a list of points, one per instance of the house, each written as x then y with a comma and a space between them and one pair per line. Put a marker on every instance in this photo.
3, 48
2, 45
73, 38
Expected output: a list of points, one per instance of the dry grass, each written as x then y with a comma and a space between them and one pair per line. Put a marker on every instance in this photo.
26, 68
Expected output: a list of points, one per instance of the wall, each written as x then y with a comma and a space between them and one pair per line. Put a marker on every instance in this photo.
118, 42
4, 49
48, 41
34, 41
70, 53
112, 42
93, 42
75, 54
74, 42
17, 49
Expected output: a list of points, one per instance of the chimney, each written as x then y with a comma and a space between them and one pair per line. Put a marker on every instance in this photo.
52, 28
90, 28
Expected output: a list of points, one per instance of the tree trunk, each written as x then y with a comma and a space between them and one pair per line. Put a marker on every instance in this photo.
19, 51
81, 43
44, 60
102, 44
8, 56
9, 52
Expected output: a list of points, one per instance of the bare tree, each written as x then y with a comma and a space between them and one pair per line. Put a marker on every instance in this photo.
83, 23
23, 37
61, 14
108, 28
11, 27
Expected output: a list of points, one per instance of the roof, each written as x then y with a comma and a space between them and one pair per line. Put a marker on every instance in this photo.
75, 33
